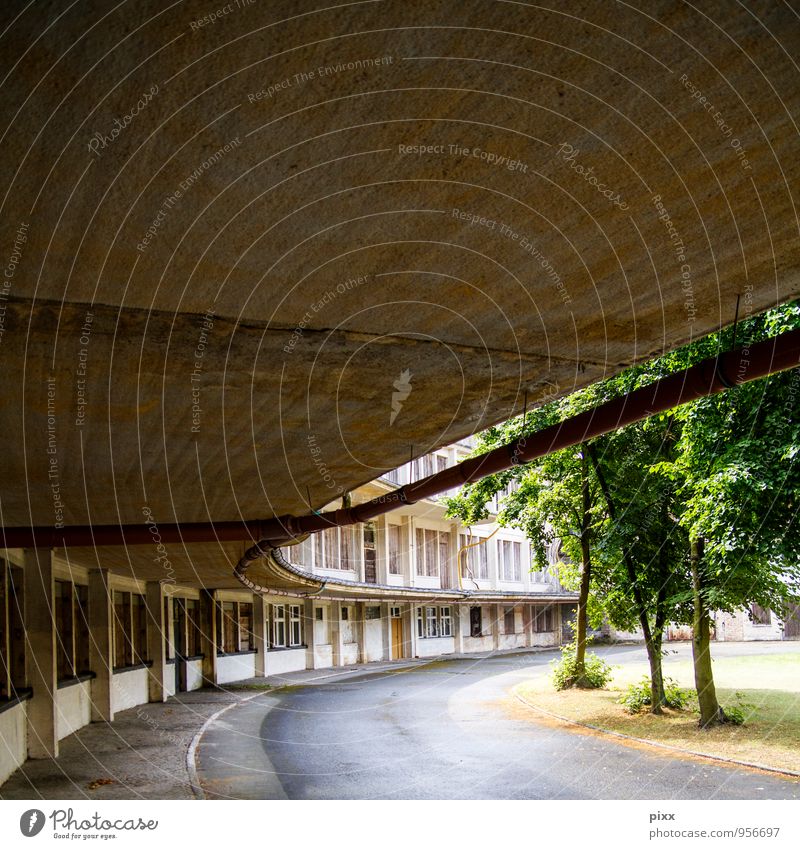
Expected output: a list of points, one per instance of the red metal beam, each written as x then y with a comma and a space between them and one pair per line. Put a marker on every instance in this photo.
711, 376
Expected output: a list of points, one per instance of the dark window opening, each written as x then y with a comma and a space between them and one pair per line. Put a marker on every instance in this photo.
475, 622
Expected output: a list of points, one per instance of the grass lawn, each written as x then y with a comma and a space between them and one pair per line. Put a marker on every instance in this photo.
770, 736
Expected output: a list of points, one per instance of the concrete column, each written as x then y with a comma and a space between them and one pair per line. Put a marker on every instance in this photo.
40, 647
260, 635
361, 631
337, 645
208, 636
154, 610
101, 645
458, 610
310, 632
386, 631
495, 617
411, 628
527, 621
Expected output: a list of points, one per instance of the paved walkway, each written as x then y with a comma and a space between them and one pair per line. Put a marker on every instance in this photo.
414, 719
143, 754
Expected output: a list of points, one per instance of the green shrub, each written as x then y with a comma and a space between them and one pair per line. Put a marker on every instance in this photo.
641, 694
597, 673
741, 712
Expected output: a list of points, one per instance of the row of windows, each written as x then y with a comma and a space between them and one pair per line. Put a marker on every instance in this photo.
340, 548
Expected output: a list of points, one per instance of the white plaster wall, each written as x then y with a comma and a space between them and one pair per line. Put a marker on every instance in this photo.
512, 641
434, 646
73, 708
373, 650
13, 739
194, 674
235, 667
478, 644
550, 639
323, 656
773, 631
350, 653
290, 660
169, 679
129, 689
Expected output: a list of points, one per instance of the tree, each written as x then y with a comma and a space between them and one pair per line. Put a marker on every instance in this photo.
736, 465
556, 496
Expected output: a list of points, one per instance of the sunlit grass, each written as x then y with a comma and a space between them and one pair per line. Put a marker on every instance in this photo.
770, 683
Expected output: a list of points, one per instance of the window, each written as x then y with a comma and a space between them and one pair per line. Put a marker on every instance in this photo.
278, 626
475, 622
373, 612
186, 612
295, 628
227, 628
345, 613
246, 627
510, 558
394, 550
445, 622
130, 629
760, 615
332, 560
348, 554
394, 612
509, 625
431, 622
426, 552
123, 643
477, 561
543, 620
64, 640
319, 614
12, 633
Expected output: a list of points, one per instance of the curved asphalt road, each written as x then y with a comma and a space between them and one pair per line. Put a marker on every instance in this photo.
444, 730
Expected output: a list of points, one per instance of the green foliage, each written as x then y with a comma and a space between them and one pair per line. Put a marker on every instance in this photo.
597, 673
640, 694
739, 714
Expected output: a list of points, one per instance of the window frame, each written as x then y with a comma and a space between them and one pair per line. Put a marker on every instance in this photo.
129, 629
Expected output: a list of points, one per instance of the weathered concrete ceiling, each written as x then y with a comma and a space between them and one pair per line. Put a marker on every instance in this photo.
160, 165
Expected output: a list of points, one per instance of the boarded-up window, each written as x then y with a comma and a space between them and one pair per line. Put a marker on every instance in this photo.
426, 552
347, 559
760, 615
509, 626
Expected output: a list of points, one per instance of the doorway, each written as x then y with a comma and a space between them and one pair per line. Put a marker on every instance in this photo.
397, 634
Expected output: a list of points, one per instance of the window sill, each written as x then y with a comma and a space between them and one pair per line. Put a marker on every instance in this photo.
145, 664
288, 648
80, 678
21, 695
235, 653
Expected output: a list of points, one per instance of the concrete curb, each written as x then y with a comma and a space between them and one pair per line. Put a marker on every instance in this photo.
618, 734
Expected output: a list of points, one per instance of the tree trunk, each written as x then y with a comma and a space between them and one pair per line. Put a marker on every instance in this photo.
586, 575
710, 712
652, 641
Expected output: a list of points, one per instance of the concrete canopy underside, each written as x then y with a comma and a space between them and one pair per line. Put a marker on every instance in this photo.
178, 235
